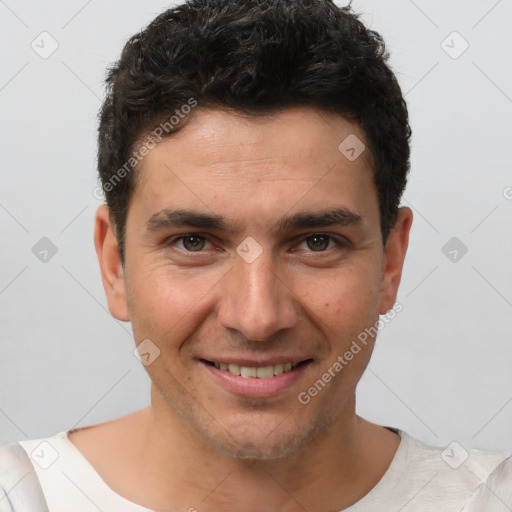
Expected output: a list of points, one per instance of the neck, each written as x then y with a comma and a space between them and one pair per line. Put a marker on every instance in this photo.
176, 465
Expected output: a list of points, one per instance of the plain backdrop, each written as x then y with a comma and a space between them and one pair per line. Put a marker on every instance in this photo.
441, 370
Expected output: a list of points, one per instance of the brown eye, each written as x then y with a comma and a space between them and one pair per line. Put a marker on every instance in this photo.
192, 243
322, 243
318, 242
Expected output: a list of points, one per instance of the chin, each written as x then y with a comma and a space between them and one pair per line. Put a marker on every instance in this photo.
261, 443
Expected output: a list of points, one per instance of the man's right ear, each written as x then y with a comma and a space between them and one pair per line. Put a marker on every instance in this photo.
112, 272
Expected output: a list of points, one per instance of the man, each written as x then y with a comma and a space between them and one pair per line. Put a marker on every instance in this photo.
253, 155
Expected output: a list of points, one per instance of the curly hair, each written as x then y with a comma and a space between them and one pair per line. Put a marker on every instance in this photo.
256, 57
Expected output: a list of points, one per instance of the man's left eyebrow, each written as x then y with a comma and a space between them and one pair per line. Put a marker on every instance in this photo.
340, 217
167, 218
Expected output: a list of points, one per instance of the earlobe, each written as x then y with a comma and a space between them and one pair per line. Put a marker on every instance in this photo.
394, 255
112, 272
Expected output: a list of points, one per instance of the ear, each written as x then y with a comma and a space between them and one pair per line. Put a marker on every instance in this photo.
112, 272
394, 255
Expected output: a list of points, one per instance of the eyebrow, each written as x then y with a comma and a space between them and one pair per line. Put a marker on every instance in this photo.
189, 218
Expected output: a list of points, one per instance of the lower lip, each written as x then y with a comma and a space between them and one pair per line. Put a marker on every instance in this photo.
254, 387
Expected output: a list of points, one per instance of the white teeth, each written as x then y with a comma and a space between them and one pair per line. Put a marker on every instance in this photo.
234, 369
262, 372
265, 373
278, 369
248, 371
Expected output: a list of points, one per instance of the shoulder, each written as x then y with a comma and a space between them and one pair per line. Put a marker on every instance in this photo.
454, 475
20, 489
496, 492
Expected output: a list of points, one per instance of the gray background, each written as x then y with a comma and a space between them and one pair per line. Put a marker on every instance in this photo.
441, 368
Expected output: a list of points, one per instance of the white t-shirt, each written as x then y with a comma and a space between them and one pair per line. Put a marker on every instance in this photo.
420, 478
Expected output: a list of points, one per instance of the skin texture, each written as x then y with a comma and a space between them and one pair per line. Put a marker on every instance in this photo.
199, 444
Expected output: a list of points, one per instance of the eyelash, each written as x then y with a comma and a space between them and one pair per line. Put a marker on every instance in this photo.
340, 243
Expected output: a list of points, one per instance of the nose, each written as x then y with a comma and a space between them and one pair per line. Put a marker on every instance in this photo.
256, 300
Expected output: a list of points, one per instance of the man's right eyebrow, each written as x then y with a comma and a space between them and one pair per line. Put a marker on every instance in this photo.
186, 218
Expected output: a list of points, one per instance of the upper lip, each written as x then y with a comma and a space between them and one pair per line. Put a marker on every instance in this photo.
267, 361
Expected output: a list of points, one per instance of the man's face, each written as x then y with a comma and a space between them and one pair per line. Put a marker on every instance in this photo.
251, 290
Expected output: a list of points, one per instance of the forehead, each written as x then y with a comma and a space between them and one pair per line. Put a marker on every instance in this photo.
295, 134
259, 165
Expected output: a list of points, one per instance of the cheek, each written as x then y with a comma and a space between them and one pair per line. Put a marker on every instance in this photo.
347, 299
167, 304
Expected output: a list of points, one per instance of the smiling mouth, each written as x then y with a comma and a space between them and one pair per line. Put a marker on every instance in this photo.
256, 372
